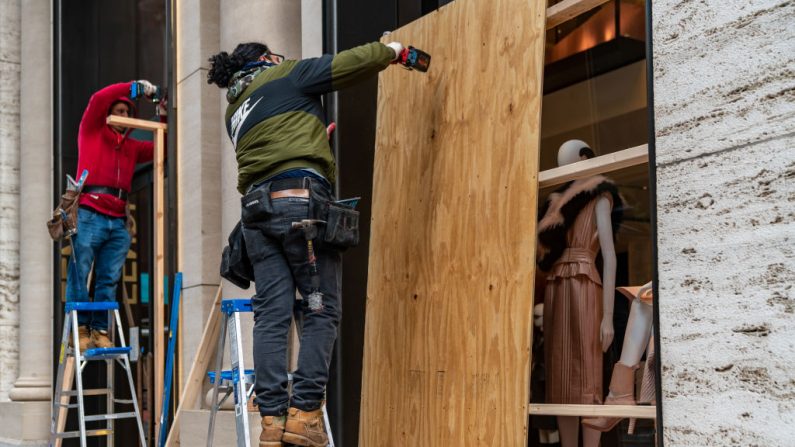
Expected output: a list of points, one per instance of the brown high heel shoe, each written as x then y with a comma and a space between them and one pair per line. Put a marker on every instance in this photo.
622, 392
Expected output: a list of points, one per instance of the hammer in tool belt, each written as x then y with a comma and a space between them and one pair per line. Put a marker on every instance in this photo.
309, 227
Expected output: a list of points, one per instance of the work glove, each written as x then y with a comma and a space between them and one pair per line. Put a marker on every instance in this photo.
148, 88
397, 47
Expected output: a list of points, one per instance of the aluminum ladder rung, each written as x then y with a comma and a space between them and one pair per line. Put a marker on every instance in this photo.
105, 417
123, 401
76, 434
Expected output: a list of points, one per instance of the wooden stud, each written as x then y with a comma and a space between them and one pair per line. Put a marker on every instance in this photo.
204, 354
624, 411
159, 130
637, 155
68, 378
136, 123
569, 9
159, 271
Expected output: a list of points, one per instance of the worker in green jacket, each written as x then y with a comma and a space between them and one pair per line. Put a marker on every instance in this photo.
294, 229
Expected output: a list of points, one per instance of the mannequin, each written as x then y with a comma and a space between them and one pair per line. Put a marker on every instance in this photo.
578, 221
636, 338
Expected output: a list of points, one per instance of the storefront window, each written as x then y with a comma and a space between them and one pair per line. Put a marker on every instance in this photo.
594, 241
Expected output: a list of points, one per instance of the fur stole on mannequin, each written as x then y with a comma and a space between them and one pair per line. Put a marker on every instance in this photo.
561, 210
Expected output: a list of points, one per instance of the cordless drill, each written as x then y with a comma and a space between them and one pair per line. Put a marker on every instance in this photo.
137, 91
414, 59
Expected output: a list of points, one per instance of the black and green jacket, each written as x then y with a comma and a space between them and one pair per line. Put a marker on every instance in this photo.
277, 123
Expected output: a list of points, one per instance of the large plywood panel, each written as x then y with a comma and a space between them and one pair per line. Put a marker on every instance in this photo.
448, 327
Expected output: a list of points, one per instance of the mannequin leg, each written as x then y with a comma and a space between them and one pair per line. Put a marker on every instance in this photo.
590, 437
637, 334
569, 428
636, 338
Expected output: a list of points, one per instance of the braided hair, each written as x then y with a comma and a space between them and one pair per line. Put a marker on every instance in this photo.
224, 65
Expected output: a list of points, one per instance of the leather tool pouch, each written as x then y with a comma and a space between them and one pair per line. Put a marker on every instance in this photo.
342, 226
63, 223
235, 265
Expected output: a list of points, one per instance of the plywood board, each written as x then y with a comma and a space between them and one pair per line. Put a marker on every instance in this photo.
449, 299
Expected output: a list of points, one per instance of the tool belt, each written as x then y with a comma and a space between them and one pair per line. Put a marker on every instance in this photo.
63, 223
342, 222
116, 192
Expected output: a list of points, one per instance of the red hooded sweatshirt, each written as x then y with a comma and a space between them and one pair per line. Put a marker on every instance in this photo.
109, 156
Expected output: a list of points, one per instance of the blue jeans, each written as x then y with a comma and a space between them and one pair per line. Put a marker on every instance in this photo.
104, 241
278, 254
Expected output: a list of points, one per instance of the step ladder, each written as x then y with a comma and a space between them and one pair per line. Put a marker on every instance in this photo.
71, 362
235, 383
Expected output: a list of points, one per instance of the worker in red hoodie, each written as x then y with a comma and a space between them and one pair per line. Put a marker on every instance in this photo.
110, 156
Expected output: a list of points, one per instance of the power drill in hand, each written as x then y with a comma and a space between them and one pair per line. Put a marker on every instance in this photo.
137, 91
414, 59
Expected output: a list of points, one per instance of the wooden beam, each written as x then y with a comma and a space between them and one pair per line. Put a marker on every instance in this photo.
569, 9
136, 123
204, 354
159, 269
625, 411
66, 386
605, 163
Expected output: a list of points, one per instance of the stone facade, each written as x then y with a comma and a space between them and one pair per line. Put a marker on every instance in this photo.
724, 104
9, 193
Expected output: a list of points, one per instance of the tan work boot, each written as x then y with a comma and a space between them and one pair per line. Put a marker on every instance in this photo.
83, 338
100, 339
305, 428
272, 430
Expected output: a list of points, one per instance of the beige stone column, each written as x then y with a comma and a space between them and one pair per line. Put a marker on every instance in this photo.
9, 194
35, 247
198, 143
276, 23
208, 169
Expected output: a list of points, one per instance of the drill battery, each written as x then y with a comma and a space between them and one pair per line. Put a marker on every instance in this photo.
415, 59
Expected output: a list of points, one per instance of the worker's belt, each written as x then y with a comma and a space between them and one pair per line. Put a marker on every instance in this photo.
290, 183
116, 192
290, 187
304, 193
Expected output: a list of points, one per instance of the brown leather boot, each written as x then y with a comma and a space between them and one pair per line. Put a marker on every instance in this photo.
100, 339
272, 430
622, 392
305, 428
83, 338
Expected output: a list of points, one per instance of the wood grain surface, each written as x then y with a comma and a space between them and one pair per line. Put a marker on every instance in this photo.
449, 305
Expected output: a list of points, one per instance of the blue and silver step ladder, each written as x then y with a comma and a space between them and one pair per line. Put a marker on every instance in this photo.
112, 355
233, 382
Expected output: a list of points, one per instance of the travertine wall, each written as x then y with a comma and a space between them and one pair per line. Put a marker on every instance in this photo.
724, 84
9, 193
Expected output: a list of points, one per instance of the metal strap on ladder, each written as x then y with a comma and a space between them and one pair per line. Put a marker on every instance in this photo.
71, 362
240, 385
